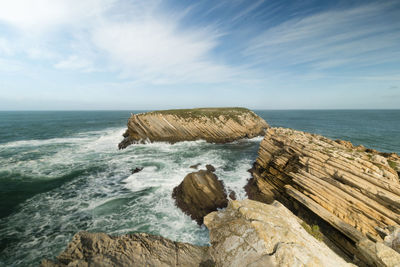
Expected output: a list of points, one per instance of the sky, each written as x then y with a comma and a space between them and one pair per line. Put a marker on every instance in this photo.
154, 54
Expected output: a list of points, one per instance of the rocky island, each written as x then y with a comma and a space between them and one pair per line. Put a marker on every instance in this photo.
215, 125
312, 201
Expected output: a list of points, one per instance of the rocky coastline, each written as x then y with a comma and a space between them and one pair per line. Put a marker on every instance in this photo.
312, 201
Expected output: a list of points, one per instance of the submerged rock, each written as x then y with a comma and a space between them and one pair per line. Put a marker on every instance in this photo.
351, 189
195, 166
215, 125
250, 233
199, 194
232, 195
99, 249
136, 170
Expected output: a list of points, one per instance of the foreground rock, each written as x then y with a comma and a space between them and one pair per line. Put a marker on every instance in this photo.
250, 233
351, 189
199, 194
99, 249
246, 233
216, 125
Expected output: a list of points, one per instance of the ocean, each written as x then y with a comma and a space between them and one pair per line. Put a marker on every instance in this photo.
61, 172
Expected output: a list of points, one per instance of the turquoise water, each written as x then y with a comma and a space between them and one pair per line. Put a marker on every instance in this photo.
61, 172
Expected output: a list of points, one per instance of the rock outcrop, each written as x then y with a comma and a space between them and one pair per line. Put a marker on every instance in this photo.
199, 194
246, 233
352, 189
215, 125
99, 249
250, 233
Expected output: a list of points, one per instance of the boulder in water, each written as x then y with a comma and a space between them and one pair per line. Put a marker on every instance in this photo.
199, 194
136, 170
210, 168
195, 166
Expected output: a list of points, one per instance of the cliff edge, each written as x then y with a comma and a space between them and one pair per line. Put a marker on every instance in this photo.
215, 125
350, 191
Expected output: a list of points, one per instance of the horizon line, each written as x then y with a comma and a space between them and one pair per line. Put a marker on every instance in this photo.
285, 109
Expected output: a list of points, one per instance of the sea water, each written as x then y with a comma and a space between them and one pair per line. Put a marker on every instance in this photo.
62, 172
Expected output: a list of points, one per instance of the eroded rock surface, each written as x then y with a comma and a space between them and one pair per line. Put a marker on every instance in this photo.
215, 125
199, 194
250, 233
354, 189
378, 254
99, 249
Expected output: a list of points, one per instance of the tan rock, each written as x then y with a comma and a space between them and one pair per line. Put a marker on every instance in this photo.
393, 238
199, 194
250, 233
215, 125
355, 191
99, 249
379, 254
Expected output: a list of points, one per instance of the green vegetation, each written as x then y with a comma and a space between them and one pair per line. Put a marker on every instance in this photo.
313, 230
211, 113
392, 164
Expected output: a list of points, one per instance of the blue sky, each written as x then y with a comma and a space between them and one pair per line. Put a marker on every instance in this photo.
154, 54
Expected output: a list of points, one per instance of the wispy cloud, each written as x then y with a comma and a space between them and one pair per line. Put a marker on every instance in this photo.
355, 38
136, 39
268, 49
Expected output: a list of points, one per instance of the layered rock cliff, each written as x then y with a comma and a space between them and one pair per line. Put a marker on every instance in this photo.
352, 189
215, 125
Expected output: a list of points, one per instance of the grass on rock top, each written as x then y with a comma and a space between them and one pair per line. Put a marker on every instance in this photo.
211, 113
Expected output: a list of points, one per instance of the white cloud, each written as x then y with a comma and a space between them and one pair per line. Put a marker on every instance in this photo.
5, 47
137, 39
156, 51
38, 15
9, 66
75, 62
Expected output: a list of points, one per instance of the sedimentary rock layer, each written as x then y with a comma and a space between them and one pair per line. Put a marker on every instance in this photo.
250, 233
215, 125
99, 249
354, 189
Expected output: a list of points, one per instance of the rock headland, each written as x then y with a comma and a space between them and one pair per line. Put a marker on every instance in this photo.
352, 190
215, 125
